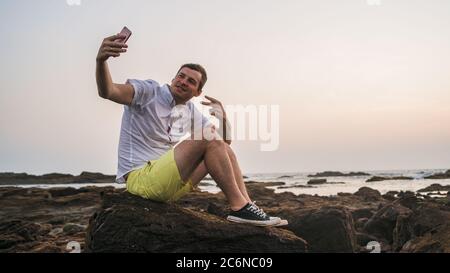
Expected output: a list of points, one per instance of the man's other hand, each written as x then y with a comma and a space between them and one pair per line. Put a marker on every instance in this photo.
217, 108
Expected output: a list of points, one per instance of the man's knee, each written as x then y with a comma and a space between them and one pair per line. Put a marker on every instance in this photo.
204, 143
216, 144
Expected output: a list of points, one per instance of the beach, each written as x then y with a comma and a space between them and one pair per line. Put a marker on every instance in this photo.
55, 218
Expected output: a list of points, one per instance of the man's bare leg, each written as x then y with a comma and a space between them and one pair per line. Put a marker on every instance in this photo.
189, 154
238, 173
200, 172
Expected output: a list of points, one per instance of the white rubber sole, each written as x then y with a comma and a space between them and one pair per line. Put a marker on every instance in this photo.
282, 223
272, 222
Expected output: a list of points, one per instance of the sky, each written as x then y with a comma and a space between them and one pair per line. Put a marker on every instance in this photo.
360, 84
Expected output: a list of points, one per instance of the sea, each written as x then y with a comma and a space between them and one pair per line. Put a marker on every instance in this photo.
294, 182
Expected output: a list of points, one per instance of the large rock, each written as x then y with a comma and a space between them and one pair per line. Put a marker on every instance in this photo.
390, 195
445, 175
128, 223
362, 213
437, 241
423, 222
368, 194
328, 229
409, 200
383, 223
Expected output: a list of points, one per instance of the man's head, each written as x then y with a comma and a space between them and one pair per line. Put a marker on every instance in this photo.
188, 82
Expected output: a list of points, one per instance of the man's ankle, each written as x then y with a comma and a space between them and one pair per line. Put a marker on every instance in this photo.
238, 208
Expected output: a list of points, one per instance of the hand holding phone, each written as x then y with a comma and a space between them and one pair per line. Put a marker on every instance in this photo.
114, 45
126, 33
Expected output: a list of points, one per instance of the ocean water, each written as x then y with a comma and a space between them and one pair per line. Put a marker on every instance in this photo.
350, 184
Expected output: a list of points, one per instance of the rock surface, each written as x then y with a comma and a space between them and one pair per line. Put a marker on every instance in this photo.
54, 178
46, 220
127, 223
108, 219
333, 174
316, 181
435, 187
381, 178
445, 175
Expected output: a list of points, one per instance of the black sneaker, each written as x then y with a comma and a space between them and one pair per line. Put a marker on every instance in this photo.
251, 214
283, 222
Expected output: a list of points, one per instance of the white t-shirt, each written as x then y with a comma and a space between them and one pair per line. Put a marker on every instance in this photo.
152, 125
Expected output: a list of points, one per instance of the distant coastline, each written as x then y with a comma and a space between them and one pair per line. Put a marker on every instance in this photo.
10, 178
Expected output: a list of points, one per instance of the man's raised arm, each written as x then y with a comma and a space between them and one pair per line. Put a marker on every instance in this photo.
120, 93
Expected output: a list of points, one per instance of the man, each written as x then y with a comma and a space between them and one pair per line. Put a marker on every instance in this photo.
149, 161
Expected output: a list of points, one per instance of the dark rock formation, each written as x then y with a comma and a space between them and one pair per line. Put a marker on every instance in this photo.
427, 229
128, 223
436, 241
54, 178
363, 238
295, 186
285, 176
368, 194
362, 213
435, 187
328, 229
317, 181
46, 220
381, 178
390, 195
445, 175
332, 173
321, 181
382, 224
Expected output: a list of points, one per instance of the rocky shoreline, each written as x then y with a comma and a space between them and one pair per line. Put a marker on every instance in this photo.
338, 174
104, 219
54, 178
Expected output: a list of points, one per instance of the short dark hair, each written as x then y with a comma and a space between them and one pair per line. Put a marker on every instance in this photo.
198, 68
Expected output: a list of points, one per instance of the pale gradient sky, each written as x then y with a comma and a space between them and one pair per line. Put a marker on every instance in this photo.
360, 87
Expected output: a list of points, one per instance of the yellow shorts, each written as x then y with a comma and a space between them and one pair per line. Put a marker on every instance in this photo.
159, 180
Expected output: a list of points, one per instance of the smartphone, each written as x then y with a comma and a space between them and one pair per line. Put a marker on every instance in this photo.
125, 31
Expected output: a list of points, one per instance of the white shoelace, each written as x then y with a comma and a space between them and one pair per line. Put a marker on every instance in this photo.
258, 211
254, 204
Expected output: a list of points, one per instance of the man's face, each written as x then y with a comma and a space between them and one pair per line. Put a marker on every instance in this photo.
185, 84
